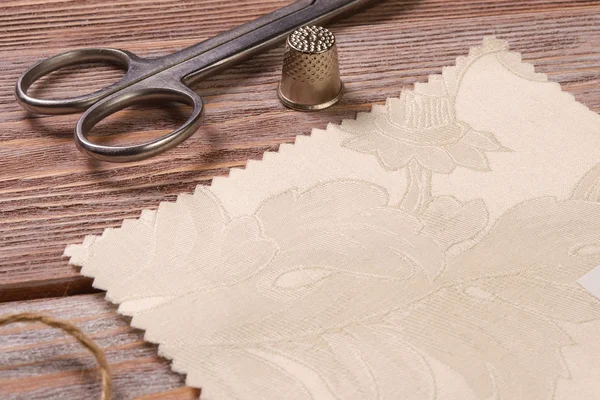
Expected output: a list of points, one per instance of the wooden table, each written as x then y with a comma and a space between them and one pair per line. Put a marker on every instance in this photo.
51, 195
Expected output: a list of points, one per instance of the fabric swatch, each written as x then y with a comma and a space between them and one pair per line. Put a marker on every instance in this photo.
428, 249
591, 282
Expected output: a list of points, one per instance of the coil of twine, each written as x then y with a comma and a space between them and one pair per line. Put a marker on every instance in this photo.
77, 334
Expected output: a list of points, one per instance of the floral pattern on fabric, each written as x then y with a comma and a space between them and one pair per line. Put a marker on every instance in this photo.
337, 290
424, 129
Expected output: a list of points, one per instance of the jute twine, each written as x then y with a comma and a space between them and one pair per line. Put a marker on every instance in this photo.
77, 334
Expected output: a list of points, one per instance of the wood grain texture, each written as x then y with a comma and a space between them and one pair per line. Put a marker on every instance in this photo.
51, 195
38, 362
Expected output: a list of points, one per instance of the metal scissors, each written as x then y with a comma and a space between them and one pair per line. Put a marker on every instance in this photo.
167, 78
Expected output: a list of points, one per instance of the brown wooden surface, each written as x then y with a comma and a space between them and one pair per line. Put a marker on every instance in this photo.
51, 195
38, 362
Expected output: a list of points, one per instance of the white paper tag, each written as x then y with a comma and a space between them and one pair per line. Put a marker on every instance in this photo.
591, 281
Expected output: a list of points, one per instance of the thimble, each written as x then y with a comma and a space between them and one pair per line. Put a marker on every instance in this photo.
310, 78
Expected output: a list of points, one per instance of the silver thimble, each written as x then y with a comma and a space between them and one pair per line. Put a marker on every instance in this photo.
310, 79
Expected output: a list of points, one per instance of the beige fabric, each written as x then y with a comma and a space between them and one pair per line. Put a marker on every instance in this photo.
429, 249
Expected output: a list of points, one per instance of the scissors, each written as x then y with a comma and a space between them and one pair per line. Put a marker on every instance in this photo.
167, 79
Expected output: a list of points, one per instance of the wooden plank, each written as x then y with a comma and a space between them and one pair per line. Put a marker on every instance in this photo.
51, 195
38, 362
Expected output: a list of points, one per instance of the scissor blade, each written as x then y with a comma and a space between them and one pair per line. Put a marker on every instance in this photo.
202, 47
245, 40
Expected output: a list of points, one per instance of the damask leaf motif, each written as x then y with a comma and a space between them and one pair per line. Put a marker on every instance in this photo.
536, 253
468, 156
422, 128
539, 236
589, 187
337, 263
496, 316
318, 320
581, 358
348, 227
503, 351
356, 363
449, 221
196, 247
313, 313
534, 292
482, 140
302, 277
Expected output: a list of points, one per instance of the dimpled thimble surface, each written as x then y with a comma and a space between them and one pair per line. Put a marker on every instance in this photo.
310, 78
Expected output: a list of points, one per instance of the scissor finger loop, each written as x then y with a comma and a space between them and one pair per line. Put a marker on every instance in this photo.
120, 58
141, 93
